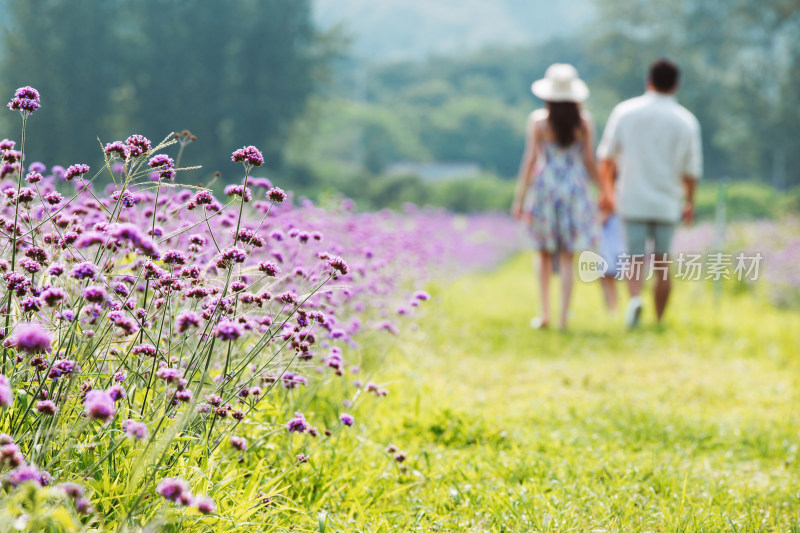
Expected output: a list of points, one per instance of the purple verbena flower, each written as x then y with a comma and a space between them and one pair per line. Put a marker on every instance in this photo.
73, 490
118, 149
10, 455
227, 330
135, 430
131, 233
83, 506
99, 405
338, 264
84, 270
214, 399
26, 99
175, 490
31, 305
347, 419
31, 337
173, 257
126, 324
145, 349
25, 195
249, 154
46, 407
298, 424
24, 473
170, 375
30, 265
269, 268
291, 380
239, 190
28, 93
38, 254
164, 164
125, 198
288, 297
230, 256
137, 145
76, 170
240, 443
186, 320
62, 367
117, 392
206, 505
276, 195
184, 395
94, 293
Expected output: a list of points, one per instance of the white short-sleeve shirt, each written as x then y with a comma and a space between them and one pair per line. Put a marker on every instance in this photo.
654, 141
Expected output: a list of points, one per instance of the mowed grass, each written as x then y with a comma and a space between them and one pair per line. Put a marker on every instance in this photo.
693, 426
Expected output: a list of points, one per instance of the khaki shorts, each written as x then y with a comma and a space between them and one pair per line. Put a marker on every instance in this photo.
638, 232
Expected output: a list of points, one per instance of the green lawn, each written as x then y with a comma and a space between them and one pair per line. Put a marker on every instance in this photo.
689, 427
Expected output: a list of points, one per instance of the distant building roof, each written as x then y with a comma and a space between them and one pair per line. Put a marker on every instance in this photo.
435, 171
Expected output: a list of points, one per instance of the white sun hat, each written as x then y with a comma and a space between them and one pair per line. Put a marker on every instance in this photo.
561, 84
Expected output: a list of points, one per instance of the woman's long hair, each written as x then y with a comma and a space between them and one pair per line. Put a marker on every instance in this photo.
564, 118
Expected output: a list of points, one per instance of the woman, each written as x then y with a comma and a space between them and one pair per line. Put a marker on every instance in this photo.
556, 165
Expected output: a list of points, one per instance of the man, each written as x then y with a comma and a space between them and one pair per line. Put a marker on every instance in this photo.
651, 144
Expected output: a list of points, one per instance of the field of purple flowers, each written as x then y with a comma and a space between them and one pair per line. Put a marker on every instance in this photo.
777, 242
175, 360
162, 346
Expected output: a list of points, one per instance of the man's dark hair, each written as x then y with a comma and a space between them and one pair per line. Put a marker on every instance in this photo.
664, 75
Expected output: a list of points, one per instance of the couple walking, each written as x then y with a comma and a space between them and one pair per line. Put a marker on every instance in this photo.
648, 162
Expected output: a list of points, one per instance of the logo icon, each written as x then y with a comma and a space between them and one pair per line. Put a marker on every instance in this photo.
591, 266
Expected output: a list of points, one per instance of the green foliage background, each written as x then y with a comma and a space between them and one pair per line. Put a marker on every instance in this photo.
233, 73
333, 121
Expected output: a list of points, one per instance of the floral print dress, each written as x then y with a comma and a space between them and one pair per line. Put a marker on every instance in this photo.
563, 216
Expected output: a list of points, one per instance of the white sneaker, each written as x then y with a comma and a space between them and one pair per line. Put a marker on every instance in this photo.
538, 323
633, 313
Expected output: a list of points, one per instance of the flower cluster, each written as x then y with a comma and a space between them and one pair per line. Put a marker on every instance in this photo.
26, 99
164, 165
249, 155
157, 322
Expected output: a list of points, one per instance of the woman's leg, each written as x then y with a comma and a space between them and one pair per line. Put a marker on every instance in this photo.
545, 272
566, 272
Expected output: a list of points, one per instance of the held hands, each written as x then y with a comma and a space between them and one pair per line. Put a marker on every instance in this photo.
688, 213
606, 204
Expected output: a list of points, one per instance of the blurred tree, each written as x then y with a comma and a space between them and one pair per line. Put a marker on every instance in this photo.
232, 72
739, 77
474, 129
394, 191
472, 107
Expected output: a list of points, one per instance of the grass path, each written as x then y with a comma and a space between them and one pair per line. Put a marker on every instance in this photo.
691, 427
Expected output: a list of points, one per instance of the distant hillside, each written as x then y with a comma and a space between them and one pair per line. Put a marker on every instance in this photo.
414, 29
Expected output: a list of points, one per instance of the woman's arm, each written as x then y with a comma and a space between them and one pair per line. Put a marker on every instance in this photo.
526, 168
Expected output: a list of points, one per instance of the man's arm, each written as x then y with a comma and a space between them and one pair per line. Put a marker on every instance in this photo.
607, 174
689, 185
607, 152
693, 171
